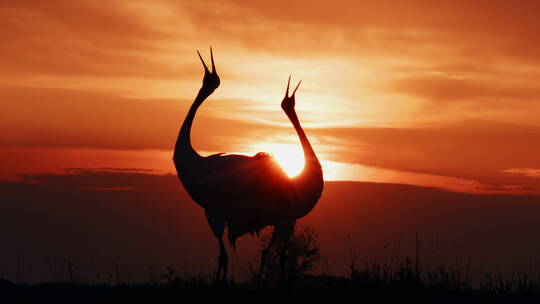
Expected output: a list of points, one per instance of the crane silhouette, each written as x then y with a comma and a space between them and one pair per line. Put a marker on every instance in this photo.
246, 193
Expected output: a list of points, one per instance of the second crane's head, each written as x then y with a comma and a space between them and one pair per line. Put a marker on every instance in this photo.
211, 79
288, 101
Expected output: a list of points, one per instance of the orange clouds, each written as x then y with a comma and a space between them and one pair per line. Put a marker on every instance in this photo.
475, 150
429, 87
38, 117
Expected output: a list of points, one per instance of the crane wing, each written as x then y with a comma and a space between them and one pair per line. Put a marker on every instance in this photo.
251, 192
240, 177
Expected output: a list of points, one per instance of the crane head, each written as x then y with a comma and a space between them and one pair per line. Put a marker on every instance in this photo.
289, 101
211, 79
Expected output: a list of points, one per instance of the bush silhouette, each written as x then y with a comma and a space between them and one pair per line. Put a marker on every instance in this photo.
301, 253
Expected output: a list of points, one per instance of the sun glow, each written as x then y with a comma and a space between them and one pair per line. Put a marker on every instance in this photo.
290, 157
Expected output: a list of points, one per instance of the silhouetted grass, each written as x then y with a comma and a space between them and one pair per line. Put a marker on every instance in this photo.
420, 278
371, 285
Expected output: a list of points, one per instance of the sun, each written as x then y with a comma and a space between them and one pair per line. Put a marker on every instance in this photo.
290, 157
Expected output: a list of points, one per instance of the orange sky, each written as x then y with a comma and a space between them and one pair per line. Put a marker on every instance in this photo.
438, 93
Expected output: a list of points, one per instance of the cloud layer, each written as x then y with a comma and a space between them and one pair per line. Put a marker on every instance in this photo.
440, 88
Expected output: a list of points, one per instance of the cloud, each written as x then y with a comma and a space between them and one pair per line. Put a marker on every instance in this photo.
530, 172
83, 38
491, 28
417, 86
472, 149
39, 117
438, 88
145, 39
468, 149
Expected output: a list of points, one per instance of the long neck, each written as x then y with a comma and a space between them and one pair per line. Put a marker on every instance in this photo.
183, 148
308, 185
309, 155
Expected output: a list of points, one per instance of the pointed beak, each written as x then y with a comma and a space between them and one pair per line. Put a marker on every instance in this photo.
294, 92
204, 64
212, 58
288, 85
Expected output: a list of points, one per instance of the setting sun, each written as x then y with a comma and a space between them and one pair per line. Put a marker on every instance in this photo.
289, 156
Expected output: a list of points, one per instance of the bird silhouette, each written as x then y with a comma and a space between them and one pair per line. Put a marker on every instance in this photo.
246, 193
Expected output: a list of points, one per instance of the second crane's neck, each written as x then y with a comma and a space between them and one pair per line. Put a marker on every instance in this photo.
184, 140
309, 184
311, 160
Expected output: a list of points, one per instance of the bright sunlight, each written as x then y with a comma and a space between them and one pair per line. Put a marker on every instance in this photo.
289, 156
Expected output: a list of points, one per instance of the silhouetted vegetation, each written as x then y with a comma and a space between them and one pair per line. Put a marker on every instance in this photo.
404, 279
301, 251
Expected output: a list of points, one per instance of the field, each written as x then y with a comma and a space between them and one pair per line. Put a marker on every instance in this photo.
406, 279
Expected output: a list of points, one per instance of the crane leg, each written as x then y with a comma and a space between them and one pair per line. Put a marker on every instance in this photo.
284, 231
264, 255
283, 258
217, 224
223, 261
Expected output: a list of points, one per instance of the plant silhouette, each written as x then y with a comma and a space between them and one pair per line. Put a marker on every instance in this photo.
302, 255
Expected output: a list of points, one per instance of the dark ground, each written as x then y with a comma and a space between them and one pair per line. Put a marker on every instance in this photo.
307, 288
